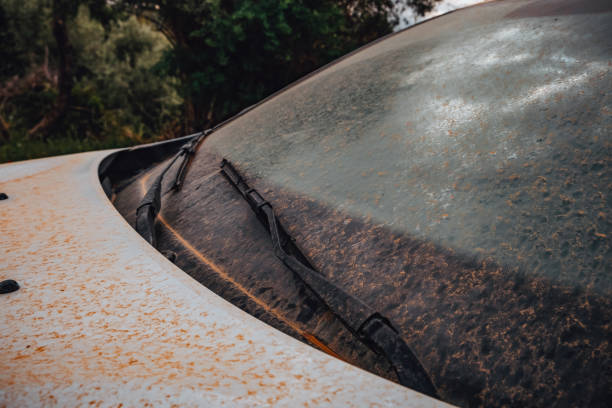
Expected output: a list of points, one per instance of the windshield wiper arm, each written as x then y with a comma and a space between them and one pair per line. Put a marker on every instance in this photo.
150, 205
368, 325
187, 151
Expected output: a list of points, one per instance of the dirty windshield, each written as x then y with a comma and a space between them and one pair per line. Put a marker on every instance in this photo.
491, 140
456, 176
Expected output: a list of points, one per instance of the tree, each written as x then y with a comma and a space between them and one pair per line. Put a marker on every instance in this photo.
80, 74
232, 53
116, 96
62, 10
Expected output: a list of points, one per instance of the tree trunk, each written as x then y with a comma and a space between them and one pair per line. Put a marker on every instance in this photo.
65, 81
4, 129
190, 115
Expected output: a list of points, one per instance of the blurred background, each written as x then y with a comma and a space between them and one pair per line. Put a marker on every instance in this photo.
81, 75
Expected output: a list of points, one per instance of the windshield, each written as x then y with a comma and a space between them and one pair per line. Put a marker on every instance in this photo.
494, 142
456, 175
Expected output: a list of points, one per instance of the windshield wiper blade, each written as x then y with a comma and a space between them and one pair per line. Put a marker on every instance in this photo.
150, 205
368, 325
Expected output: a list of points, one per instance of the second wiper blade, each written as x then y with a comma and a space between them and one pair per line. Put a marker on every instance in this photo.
150, 205
368, 325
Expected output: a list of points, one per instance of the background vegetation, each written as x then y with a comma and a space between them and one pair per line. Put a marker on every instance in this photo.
89, 74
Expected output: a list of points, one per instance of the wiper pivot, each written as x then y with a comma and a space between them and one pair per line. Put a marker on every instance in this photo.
369, 326
187, 151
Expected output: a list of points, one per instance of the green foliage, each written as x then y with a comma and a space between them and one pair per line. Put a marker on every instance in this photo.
25, 35
118, 98
230, 54
21, 147
140, 71
117, 76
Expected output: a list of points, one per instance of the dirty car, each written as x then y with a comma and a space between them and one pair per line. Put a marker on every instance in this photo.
432, 208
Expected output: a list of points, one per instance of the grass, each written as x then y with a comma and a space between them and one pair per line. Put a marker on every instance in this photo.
22, 148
